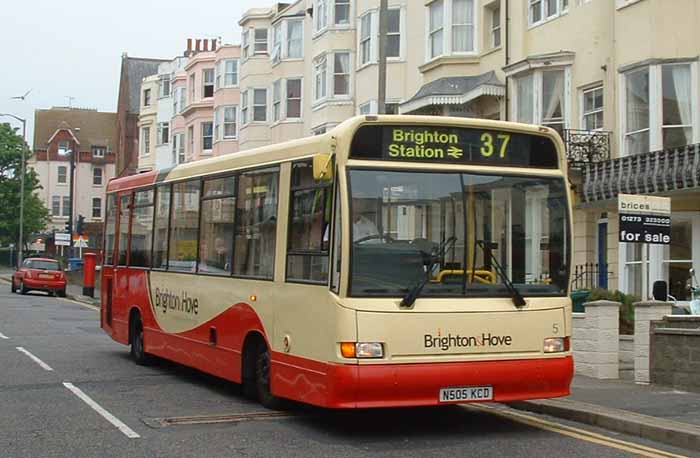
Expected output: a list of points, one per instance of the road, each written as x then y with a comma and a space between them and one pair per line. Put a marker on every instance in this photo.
70, 391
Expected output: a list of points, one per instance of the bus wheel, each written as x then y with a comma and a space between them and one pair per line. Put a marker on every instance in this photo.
138, 352
262, 381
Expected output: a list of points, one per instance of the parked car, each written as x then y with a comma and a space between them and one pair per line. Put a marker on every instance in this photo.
40, 274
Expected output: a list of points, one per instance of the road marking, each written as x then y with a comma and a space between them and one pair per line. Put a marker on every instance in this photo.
3, 336
43, 365
128, 432
582, 434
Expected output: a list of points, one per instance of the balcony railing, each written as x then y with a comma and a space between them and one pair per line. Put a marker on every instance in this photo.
586, 147
667, 170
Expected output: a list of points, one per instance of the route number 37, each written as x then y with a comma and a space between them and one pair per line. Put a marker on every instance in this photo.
488, 146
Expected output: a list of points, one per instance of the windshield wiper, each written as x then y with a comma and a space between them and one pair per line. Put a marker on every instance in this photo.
515, 295
413, 294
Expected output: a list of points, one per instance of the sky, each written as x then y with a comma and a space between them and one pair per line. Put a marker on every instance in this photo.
73, 47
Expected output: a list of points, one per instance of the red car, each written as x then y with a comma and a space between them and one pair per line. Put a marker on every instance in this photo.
40, 274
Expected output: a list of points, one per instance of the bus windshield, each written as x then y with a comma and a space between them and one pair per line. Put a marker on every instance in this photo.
449, 228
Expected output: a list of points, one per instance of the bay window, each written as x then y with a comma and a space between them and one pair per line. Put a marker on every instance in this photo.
659, 107
541, 98
260, 105
226, 127
295, 39
366, 39
341, 73
496, 27
260, 45
393, 33
207, 136
541, 11
244, 107
276, 54
276, 100
227, 73
341, 12
320, 70
451, 28
320, 14
293, 98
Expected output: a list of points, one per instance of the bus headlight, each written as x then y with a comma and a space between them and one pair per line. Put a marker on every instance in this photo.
556, 344
362, 349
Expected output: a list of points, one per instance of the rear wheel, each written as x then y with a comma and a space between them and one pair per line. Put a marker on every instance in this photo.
22, 288
262, 380
61, 292
138, 352
13, 288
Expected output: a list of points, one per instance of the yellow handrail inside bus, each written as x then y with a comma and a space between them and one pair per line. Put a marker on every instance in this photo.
481, 276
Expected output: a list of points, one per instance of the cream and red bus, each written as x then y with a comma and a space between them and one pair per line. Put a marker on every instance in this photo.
392, 261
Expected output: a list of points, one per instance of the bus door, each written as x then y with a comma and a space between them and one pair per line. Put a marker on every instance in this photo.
108, 259
120, 283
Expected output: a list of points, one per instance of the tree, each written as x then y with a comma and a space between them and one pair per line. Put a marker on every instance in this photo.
36, 215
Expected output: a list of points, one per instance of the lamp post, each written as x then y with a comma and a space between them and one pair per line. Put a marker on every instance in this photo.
20, 248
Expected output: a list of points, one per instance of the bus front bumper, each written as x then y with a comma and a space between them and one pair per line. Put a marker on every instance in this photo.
402, 385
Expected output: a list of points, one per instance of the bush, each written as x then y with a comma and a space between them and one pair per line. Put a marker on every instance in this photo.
626, 310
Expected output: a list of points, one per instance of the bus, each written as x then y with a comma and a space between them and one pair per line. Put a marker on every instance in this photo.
392, 261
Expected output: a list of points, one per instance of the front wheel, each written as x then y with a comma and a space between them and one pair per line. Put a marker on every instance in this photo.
262, 381
138, 352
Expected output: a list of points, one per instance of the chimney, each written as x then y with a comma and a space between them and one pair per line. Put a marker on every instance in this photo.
197, 45
213, 44
206, 45
189, 47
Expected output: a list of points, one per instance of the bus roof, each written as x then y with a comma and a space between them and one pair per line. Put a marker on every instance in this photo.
308, 146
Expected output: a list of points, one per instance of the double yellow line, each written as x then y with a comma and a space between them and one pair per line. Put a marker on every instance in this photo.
581, 434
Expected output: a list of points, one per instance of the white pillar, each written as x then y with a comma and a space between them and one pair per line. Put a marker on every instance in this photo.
644, 313
596, 342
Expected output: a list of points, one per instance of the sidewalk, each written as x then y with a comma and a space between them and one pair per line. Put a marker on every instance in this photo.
73, 291
653, 412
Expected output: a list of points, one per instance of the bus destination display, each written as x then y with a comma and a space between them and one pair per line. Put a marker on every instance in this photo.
452, 145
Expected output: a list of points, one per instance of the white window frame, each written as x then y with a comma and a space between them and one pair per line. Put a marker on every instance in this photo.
321, 77
253, 105
95, 175
163, 137
65, 174
347, 4
97, 207
203, 137
334, 73
145, 141
56, 206
656, 126
66, 210
98, 152
233, 74
220, 123
562, 8
245, 44
448, 31
495, 34
320, 15
538, 110
147, 97
277, 100
178, 148
276, 51
287, 99
366, 54
286, 40
259, 42
206, 83
245, 109
63, 147
162, 85
401, 33
591, 112
192, 80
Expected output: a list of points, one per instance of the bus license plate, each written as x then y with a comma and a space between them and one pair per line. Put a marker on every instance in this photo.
466, 394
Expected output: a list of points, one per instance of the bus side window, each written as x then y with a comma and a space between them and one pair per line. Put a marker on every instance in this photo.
110, 229
256, 223
184, 225
161, 226
309, 226
124, 220
141, 229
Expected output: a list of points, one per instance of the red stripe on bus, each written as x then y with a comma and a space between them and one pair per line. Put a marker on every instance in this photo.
132, 181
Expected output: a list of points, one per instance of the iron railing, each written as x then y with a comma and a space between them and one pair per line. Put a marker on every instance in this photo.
590, 275
586, 147
655, 172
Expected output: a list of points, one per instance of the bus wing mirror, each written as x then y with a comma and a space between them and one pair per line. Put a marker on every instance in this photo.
323, 167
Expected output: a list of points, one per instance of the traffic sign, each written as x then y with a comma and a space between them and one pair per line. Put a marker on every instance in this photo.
80, 242
61, 239
644, 219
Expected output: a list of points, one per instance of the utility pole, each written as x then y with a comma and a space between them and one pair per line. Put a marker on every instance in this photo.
71, 190
381, 70
23, 167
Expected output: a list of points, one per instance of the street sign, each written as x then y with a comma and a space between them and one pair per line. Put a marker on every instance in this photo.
61, 239
644, 219
80, 242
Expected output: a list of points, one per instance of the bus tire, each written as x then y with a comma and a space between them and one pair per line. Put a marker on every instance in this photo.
262, 380
137, 351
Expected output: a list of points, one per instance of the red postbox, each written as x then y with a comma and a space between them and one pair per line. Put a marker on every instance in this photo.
89, 274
